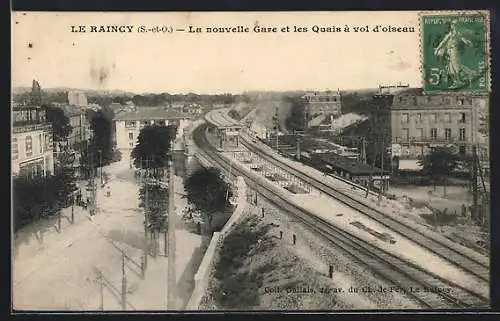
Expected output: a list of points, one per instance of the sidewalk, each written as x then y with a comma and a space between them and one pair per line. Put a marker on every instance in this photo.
58, 271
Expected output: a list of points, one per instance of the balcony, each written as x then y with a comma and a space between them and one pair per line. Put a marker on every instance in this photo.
427, 140
23, 127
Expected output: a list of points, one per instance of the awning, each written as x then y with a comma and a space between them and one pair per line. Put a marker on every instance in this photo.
409, 164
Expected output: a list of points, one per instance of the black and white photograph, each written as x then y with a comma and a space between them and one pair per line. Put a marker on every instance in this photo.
250, 161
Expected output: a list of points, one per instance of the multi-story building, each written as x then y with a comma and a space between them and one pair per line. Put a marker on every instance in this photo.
129, 124
80, 132
32, 151
420, 122
322, 103
77, 98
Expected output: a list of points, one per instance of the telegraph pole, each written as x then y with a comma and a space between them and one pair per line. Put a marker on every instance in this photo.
171, 287
124, 284
475, 189
298, 148
146, 208
100, 165
381, 170
363, 150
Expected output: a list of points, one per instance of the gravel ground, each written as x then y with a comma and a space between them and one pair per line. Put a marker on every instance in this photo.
303, 265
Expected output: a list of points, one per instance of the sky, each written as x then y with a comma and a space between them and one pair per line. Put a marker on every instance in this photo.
45, 49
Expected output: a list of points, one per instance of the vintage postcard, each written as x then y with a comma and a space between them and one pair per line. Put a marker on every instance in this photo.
222, 161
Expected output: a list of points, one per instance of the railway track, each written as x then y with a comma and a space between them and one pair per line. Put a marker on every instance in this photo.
469, 264
403, 275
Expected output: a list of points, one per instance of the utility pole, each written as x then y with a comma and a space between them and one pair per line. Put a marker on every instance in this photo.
124, 284
298, 148
100, 166
101, 291
146, 209
171, 287
73, 208
91, 188
363, 150
381, 170
475, 190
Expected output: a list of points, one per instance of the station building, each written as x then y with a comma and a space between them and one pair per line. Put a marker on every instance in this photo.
224, 128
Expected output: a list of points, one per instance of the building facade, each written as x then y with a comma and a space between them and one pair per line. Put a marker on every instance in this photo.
421, 122
80, 132
129, 124
77, 98
32, 151
322, 103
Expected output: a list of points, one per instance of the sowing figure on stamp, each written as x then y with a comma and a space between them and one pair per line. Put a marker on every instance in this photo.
448, 49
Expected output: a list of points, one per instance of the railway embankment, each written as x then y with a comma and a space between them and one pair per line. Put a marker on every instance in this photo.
268, 261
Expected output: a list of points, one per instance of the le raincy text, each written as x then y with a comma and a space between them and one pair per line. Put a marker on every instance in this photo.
103, 28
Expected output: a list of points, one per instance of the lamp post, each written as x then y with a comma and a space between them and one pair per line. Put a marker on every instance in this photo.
171, 279
100, 165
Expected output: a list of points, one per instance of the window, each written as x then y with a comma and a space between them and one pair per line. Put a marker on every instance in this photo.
460, 101
40, 143
447, 133
15, 150
406, 134
46, 142
433, 117
28, 146
434, 133
447, 117
131, 144
462, 118
418, 118
462, 134
419, 134
405, 118
130, 124
130, 136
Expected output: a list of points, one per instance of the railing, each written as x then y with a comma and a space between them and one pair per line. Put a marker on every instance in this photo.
16, 128
427, 139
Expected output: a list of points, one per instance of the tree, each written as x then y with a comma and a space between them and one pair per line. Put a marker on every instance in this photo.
156, 209
439, 164
207, 192
100, 146
61, 127
40, 196
296, 119
153, 144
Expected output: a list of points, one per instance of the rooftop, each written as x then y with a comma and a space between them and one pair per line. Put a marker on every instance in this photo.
351, 166
322, 93
151, 113
71, 110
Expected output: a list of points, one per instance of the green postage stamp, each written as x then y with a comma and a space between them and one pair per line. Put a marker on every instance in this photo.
455, 52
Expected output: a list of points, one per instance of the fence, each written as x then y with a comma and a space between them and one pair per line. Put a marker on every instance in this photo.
203, 274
